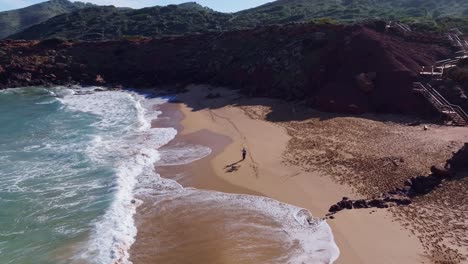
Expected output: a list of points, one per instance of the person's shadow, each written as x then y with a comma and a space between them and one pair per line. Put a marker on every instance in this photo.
233, 167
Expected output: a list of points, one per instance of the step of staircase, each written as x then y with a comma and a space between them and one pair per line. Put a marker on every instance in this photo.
453, 112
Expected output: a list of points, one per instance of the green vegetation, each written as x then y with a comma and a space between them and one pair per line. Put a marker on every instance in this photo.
411, 11
107, 22
16, 20
110, 22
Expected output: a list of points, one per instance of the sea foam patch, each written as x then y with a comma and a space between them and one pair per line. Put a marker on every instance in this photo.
124, 138
179, 155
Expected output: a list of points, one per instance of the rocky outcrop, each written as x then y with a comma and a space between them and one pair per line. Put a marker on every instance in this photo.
459, 161
415, 186
396, 198
317, 64
365, 81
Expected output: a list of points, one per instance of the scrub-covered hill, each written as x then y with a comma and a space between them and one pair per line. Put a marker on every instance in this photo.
352, 10
108, 22
113, 23
17, 20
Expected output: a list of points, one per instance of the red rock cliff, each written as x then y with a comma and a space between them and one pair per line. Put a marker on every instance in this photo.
336, 68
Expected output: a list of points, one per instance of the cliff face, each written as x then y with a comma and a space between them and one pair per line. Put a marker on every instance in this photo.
334, 68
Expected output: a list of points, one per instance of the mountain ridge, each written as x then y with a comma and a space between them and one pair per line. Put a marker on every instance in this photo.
13, 21
101, 22
109, 22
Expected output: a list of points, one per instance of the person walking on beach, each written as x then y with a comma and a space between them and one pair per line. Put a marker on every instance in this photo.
244, 153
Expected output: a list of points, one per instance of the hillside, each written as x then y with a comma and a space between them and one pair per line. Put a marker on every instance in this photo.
113, 23
351, 10
424, 14
108, 22
17, 20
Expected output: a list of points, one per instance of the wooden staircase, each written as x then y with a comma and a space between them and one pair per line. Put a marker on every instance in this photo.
400, 26
437, 70
455, 37
454, 112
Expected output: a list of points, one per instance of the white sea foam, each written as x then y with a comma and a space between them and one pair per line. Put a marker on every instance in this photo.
46, 102
308, 239
316, 240
32, 90
182, 155
132, 146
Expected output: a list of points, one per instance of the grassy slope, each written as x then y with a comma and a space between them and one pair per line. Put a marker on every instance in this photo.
16, 20
92, 23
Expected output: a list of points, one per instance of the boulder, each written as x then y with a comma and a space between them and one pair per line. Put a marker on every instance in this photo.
403, 201
335, 208
22, 77
346, 204
423, 185
365, 82
409, 182
99, 79
360, 204
376, 203
441, 172
459, 161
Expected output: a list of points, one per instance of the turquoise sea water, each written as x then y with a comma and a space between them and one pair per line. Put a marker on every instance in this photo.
50, 190
62, 165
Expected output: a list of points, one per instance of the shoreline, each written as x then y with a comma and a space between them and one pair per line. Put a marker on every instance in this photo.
355, 232
222, 129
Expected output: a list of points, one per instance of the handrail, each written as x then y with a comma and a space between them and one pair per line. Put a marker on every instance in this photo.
445, 63
440, 102
438, 96
403, 26
440, 66
442, 61
431, 94
457, 31
460, 111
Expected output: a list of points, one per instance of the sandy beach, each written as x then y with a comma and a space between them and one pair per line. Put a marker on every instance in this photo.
310, 160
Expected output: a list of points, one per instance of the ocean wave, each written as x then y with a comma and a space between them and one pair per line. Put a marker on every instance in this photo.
314, 235
47, 102
124, 138
239, 219
27, 91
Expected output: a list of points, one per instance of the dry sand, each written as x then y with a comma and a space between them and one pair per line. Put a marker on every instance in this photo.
311, 163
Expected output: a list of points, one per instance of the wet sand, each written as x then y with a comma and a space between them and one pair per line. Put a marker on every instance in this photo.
226, 125
183, 229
